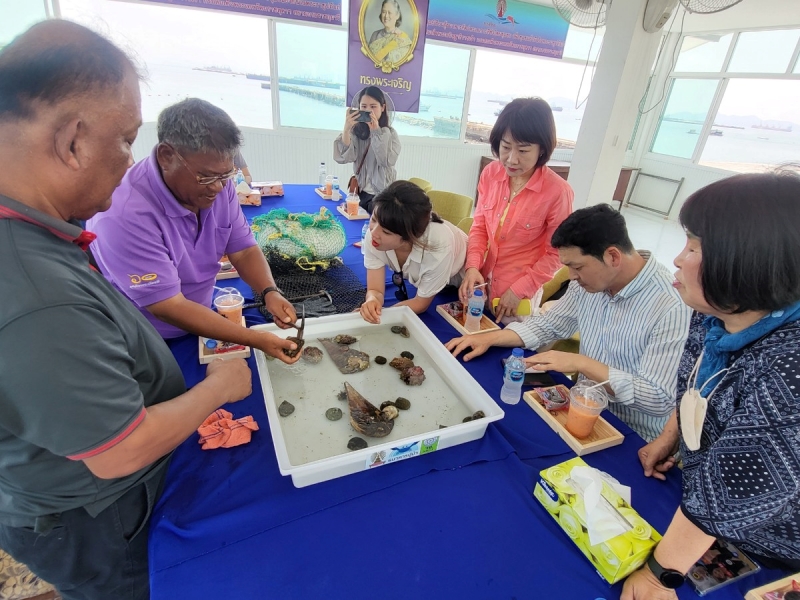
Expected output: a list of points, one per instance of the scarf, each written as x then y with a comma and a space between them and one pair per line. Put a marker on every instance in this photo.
719, 343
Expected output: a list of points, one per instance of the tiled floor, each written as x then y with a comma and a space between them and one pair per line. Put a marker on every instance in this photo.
648, 231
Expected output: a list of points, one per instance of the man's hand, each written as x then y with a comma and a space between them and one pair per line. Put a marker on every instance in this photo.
657, 458
553, 360
643, 585
232, 376
371, 311
507, 306
479, 344
282, 311
272, 345
472, 278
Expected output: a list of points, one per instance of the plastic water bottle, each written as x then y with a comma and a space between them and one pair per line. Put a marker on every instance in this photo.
512, 379
364, 231
323, 173
474, 312
335, 186
239, 177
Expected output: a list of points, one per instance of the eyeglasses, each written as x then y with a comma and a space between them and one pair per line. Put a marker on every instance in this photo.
397, 279
205, 180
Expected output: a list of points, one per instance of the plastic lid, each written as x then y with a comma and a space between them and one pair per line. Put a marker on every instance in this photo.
477, 293
517, 352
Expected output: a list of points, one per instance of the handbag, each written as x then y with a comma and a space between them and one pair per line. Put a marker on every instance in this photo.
352, 185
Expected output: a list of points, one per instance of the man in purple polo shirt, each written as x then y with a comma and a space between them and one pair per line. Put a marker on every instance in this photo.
173, 216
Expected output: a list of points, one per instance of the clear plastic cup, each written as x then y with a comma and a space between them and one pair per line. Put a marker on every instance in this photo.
229, 302
352, 205
585, 406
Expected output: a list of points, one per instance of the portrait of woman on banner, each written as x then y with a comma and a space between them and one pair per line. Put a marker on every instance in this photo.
393, 44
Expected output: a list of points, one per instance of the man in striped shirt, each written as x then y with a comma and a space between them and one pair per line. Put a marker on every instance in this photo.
632, 321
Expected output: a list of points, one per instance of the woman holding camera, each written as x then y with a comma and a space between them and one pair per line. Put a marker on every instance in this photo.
521, 202
409, 238
370, 144
738, 414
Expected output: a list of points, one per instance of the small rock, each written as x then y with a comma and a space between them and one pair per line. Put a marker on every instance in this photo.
381, 360
344, 339
333, 414
402, 403
478, 415
342, 396
413, 376
442, 426
401, 363
466, 419
387, 403
407, 354
402, 330
312, 354
357, 443
285, 409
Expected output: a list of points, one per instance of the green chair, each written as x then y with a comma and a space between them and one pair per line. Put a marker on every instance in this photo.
426, 186
465, 224
451, 206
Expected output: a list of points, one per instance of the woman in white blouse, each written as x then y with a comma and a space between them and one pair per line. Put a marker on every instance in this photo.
412, 240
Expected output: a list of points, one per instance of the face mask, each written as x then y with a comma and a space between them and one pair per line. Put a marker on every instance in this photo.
694, 407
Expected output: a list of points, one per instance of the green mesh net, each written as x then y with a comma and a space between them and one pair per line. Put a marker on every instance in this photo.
302, 237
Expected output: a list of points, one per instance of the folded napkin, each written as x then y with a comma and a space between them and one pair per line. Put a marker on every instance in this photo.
221, 430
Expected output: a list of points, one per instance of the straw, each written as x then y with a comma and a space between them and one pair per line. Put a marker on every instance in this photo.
598, 384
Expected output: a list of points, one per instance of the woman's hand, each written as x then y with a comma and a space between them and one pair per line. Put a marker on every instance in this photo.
373, 122
472, 278
479, 343
349, 120
643, 585
371, 311
507, 307
657, 458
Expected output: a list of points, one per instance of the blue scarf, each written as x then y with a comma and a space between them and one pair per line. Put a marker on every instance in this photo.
719, 343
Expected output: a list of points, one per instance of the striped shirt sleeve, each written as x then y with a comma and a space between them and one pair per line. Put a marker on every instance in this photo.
560, 322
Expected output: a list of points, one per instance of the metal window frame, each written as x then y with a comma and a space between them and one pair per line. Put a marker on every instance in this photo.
640, 173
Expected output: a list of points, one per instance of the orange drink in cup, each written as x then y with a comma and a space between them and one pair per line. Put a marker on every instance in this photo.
352, 205
229, 302
585, 405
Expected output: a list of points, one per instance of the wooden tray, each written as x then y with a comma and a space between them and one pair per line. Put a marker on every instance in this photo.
205, 355
324, 196
486, 323
603, 436
782, 585
362, 214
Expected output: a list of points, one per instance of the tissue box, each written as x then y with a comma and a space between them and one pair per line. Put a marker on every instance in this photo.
269, 188
613, 559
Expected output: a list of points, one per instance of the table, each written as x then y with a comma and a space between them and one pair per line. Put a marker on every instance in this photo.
458, 523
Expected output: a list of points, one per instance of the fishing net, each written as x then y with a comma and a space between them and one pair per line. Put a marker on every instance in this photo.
332, 288
302, 237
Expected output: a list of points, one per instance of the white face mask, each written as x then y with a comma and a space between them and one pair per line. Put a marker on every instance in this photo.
694, 407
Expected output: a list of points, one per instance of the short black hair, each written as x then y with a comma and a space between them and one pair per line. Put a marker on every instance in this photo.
749, 231
55, 60
194, 125
529, 121
404, 209
593, 230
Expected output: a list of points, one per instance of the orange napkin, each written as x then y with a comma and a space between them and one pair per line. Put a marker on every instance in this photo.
221, 430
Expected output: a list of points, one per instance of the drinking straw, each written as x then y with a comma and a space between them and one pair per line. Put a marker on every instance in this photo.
598, 384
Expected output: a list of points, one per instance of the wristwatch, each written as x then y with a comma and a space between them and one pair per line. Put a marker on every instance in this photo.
669, 578
269, 289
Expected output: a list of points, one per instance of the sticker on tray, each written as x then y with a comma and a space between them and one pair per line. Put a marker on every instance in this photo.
384, 457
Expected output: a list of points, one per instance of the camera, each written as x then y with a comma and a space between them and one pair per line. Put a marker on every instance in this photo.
364, 116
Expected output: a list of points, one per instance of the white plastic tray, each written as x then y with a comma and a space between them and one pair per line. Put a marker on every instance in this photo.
312, 449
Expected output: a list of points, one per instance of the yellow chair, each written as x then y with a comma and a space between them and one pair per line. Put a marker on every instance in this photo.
426, 186
451, 206
465, 224
573, 344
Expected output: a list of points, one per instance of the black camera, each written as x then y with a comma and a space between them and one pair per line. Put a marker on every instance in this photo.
364, 116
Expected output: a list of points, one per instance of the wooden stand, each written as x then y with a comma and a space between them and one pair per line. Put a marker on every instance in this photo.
486, 323
335, 197
206, 355
782, 585
603, 435
362, 214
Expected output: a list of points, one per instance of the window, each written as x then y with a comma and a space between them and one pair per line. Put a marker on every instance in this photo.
500, 77
180, 61
683, 117
764, 51
14, 21
580, 40
755, 127
703, 54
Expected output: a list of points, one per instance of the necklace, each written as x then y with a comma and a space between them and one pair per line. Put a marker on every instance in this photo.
514, 192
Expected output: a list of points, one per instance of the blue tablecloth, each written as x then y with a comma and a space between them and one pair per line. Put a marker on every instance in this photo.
457, 523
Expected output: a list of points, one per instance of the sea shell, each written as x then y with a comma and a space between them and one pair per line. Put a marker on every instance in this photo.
364, 417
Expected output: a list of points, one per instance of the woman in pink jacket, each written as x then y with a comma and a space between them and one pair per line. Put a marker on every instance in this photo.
521, 202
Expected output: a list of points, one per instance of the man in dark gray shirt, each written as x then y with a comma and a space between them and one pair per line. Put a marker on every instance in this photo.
91, 400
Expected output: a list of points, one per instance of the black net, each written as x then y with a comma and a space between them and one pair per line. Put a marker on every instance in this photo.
322, 290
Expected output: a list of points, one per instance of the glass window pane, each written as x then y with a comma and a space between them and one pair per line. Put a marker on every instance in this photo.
756, 129
312, 85
764, 51
683, 117
580, 40
703, 53
500, 77
179, 62
16, 17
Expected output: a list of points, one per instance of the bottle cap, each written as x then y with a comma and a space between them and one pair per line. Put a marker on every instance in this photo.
517, 352
478, 293
211, 344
